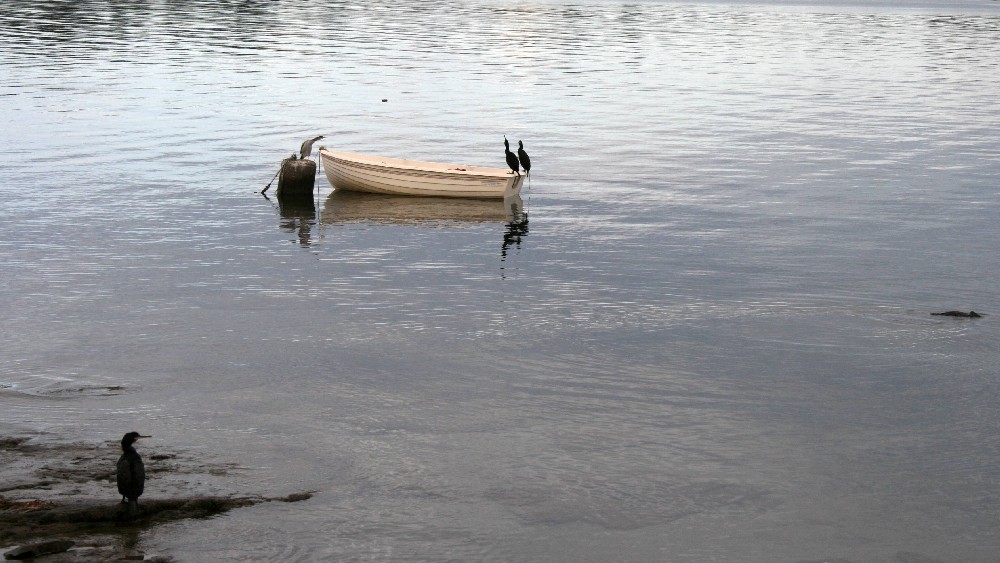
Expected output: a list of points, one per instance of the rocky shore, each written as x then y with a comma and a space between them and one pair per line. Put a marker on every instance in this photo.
58, 501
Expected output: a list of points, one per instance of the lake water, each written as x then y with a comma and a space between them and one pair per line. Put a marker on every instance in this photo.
706, 338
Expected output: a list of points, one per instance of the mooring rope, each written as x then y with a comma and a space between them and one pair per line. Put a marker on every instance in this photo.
268, 186
319, 167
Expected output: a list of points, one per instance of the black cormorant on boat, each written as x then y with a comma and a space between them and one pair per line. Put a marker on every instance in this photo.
523, 157
131, 472
307, 147
512, 162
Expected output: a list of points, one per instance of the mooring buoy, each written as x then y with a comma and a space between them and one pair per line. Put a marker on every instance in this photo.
297, 177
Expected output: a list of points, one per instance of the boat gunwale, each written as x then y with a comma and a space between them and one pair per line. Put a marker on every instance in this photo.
402, 165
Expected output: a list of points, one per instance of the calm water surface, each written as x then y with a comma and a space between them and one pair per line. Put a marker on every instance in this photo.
706, 337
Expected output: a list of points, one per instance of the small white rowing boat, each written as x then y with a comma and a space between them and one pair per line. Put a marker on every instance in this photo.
384, 175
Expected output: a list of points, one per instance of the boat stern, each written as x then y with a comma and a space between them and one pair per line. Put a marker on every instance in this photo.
514, 186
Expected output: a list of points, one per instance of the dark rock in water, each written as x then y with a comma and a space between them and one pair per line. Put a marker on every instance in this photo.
11, 443
38, 549
19, 521
22, 520
63, 491
969, 315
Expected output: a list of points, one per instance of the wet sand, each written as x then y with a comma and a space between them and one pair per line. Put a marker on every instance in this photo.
66, 491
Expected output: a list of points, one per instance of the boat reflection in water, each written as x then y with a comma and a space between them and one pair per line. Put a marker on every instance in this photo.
356, 207
345, 207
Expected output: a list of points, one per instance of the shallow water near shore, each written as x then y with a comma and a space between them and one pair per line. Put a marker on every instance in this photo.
704, 335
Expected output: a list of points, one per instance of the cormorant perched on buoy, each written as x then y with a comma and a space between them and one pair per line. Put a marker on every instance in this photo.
307, 147
523, 157
511, 157
131, 473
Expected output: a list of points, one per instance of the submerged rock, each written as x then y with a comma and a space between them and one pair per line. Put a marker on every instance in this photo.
51, 518
970, 314
38, 549
295, 497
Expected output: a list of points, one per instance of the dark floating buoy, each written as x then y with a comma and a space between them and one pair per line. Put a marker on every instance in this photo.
969, 315
297, 177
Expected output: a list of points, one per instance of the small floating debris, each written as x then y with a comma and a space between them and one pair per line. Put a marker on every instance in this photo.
969, 315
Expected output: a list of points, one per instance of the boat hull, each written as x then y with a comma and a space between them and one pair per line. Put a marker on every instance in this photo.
383, 175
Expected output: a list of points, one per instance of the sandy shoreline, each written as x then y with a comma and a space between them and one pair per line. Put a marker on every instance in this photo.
66, 491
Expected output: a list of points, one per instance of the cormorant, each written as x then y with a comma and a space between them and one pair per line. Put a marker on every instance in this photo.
131, 472
523, 157
307, 147
511, 157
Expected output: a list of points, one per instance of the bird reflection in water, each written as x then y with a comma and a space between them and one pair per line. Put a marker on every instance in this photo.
515, 229
298, 216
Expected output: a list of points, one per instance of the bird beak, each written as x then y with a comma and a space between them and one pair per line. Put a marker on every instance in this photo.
141, 436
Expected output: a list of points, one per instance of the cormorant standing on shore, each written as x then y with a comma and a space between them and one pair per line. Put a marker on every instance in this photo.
523, 157
131, 473
511, 157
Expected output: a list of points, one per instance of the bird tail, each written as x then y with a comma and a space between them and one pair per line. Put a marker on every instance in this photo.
133, 508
